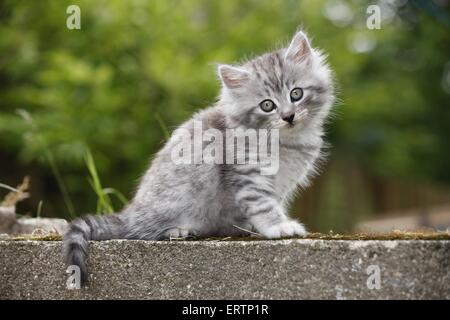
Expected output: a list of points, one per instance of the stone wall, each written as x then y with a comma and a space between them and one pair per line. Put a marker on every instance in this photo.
281, 269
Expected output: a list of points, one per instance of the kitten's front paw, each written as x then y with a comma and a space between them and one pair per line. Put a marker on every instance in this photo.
287, 228
176, 233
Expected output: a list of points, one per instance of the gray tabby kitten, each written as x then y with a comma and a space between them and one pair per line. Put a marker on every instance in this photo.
291, 90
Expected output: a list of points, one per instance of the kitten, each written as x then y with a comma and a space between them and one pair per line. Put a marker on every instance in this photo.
289, 90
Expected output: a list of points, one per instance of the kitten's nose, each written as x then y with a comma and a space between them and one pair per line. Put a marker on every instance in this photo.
289, 118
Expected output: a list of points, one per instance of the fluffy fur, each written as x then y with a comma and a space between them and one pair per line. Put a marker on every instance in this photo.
221, 200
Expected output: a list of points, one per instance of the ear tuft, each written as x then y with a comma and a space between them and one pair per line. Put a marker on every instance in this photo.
233, 77
299, 50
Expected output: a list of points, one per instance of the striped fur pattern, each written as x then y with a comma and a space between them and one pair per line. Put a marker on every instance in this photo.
221, 200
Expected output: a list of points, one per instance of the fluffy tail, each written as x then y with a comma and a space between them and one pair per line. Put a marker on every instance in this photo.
81, 230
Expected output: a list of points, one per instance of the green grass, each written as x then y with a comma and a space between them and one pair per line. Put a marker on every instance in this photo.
39, 209
104, 202
163, 126
5, 186
26, 116
62, 186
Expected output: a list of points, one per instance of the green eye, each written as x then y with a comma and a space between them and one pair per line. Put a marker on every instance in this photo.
296, 94
267, 105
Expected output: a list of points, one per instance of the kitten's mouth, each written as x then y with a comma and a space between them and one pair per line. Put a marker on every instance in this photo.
300, 116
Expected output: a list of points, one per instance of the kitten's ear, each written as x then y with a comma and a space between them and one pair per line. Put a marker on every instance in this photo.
232, 77
299, 50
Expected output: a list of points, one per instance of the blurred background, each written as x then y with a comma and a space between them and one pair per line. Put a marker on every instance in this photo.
138, 68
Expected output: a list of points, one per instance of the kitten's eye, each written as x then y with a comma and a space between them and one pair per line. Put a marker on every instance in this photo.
267, 105
296, 94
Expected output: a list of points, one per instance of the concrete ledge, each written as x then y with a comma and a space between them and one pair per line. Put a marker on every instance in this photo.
283, 269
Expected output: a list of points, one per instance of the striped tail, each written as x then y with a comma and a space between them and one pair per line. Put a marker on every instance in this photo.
81, 230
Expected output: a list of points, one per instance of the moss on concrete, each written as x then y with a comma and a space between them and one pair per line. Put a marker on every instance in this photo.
394, 235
